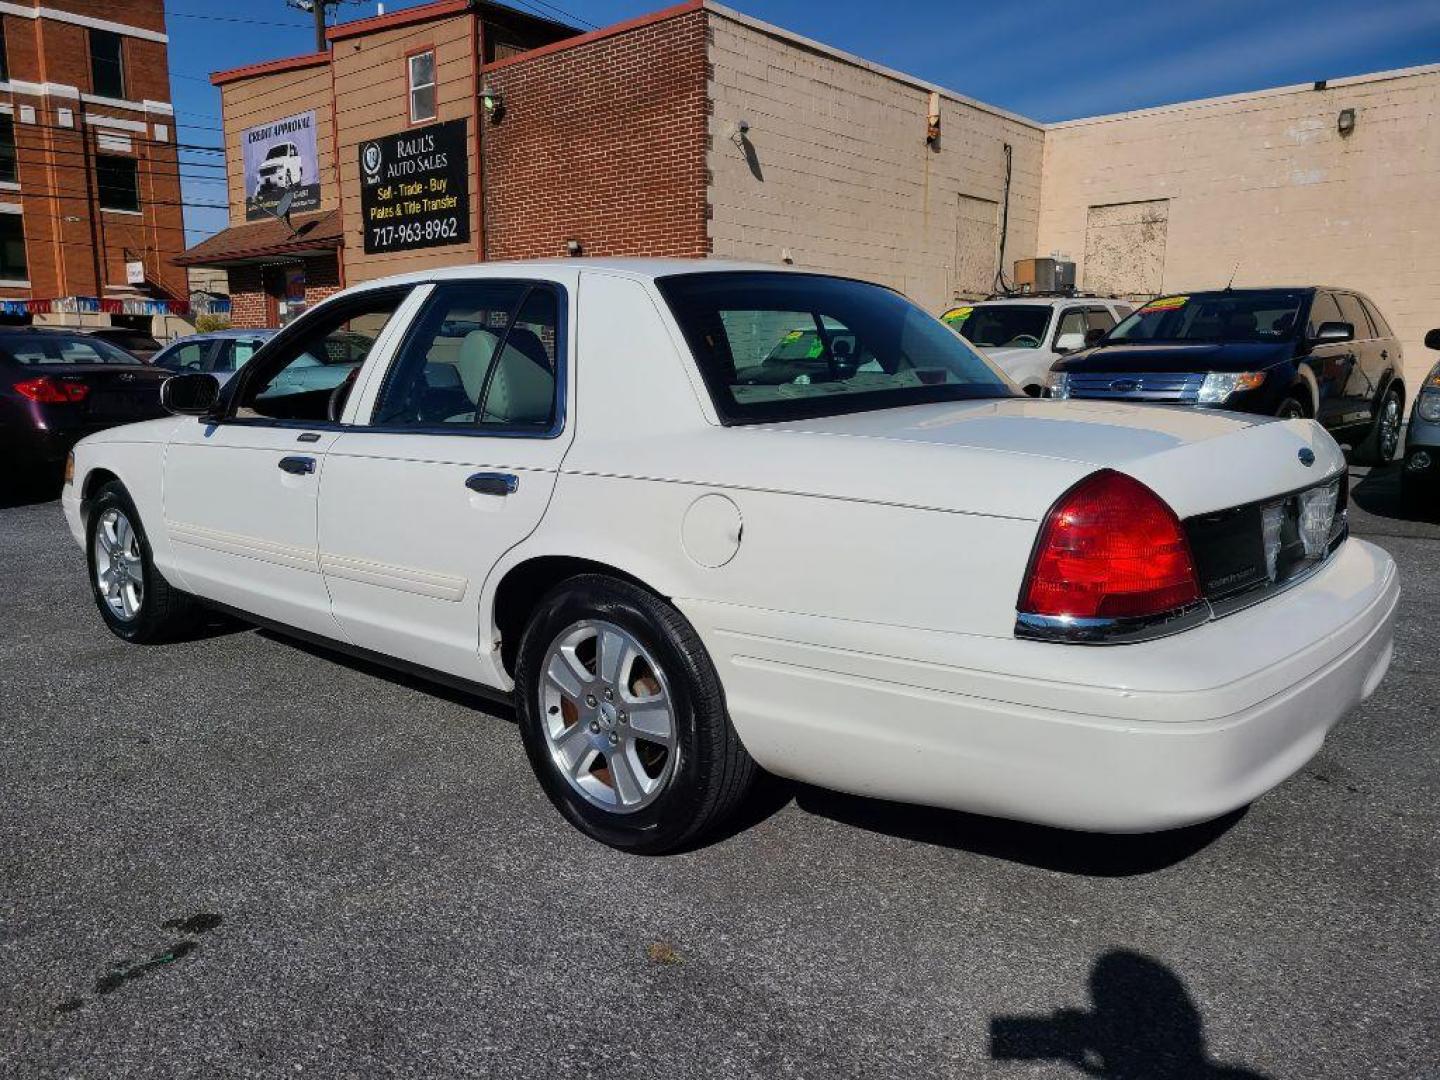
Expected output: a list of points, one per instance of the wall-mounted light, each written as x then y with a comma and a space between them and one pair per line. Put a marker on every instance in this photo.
932, 122
1345, 124
493, 102
574, 248
741, 133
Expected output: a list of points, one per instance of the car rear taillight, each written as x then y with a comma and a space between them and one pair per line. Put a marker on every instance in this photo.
1110, 549
48, 391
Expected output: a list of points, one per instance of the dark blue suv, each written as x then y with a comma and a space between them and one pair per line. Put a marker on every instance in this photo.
1310, 351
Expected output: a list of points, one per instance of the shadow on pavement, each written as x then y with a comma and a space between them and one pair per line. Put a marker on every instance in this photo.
1143, 1025
1060, 850
1377, 492
28, 493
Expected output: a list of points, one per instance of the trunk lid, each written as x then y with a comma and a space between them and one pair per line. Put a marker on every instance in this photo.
118, 392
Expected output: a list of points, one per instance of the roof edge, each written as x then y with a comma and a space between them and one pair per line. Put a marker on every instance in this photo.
1250, 95
440, 9
601, 34
831, 51
269, 67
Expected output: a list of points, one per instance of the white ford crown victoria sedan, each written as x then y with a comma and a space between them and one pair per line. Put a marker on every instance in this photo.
612, 492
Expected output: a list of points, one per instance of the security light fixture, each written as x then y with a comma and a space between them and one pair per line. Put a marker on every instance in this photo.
1346, 122
574, 248
493, 102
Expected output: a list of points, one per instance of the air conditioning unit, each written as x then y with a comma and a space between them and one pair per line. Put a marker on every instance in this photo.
1044, 276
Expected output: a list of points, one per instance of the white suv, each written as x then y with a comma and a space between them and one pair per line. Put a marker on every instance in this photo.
282, 168
1024, 335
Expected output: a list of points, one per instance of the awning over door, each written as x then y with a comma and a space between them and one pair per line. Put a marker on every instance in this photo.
259, 241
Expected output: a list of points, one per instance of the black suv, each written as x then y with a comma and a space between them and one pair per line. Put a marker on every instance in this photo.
1310, 351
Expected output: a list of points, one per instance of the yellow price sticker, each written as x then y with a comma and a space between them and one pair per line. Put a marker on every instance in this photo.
959, 314
1167, 303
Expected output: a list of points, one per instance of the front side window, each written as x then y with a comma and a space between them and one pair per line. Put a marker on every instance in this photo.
1001, 326
1070, 332
316, 356
1354, 314
13, 265
187, 357
1323, 309
871, 347
107, 64
1257, 316
117, 182
234, 355
422, 87
482, 355
9, 162
46, 348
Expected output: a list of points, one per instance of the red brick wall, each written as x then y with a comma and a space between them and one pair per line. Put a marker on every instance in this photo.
249, 306
603, 142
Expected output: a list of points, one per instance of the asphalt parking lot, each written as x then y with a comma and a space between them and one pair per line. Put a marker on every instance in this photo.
243, 857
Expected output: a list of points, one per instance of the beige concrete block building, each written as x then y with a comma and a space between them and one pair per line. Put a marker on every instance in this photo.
1266, 186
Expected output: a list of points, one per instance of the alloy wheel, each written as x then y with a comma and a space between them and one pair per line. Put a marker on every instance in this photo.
609, 718
119, 568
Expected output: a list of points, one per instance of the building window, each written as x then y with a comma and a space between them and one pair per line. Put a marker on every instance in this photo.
4, 54
422, 87
107, 64
118, 181
12, 248
9, 163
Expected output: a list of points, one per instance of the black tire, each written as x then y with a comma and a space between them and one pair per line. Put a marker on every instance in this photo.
1292, 408
711, 772
164, 612
1383, 440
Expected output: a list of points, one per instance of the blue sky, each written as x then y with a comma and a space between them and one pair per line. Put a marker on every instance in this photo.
1046, 60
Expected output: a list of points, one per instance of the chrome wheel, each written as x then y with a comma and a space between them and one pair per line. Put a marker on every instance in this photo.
608, 718
1389, 427
119, 571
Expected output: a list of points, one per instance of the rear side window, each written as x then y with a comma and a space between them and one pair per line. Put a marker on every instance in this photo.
482, 355
1382, 328
1099, 319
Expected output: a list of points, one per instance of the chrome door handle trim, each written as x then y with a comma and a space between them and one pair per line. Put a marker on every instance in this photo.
300, 466
492, 483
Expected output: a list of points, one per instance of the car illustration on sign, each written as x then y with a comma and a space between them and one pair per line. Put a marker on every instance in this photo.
689, 544
283, 167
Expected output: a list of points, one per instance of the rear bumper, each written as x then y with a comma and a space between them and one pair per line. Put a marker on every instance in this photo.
1133, 738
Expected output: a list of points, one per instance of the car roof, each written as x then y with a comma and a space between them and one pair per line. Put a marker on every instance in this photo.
639, 268
226, 335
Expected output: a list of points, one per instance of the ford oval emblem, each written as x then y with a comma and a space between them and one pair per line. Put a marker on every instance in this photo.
1307, 456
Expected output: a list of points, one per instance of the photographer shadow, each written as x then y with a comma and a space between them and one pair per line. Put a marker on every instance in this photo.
1143, 1026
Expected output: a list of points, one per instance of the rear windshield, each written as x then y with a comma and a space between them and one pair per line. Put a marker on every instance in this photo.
32, 349
1219, 316
1001, 326
778, 346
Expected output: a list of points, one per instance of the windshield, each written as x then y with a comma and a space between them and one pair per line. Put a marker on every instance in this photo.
283, 150
62, 349
1221, 316
775, 346
1001, 326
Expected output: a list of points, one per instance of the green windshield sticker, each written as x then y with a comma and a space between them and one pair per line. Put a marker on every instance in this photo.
816, 348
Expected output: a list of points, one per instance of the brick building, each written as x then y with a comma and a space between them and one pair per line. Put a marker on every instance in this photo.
699, 130
90, 205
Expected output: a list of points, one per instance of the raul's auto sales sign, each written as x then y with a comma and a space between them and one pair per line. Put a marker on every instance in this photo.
415, 189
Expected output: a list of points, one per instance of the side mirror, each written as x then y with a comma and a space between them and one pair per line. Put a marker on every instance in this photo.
1094, 335
1331, 332
1432, 340
190, 394
1069, 342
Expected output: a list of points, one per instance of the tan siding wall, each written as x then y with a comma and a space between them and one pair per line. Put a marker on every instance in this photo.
1267, 183
371, 94
845, 180
264, 98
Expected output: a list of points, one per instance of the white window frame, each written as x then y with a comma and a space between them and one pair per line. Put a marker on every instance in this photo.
414, 86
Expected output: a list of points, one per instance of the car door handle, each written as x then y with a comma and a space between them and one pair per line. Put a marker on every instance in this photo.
493, 483
300, 466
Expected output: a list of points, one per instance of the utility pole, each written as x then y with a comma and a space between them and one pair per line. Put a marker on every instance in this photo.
317, 8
